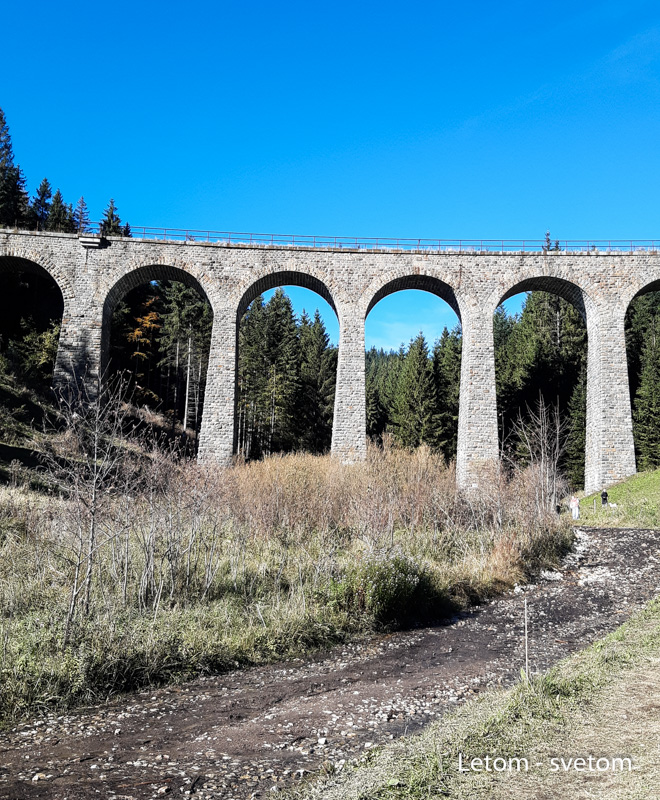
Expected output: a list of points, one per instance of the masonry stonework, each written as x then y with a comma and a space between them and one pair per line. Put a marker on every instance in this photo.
94, 274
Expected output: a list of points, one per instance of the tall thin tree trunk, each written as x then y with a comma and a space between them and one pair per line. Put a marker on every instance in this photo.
240, 419
198, 393
93, 509
175, 410
185, 411
272, 415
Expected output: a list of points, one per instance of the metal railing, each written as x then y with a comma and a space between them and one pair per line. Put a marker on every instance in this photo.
389, 244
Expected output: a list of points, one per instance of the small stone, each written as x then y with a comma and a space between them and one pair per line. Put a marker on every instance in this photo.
40, 776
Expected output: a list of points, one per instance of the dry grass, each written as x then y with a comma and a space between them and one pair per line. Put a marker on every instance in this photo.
622, 721
183, 568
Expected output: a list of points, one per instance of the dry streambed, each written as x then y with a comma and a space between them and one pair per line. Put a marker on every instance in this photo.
250, 733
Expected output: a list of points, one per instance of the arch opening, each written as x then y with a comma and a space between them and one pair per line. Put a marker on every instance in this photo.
286, 373
540, 349
285, 279
31, 309
157, 324
413, 343
642, 332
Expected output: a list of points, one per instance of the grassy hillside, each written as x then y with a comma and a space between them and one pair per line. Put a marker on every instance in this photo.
636, 501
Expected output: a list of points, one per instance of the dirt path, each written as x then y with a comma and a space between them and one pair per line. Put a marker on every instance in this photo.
247, 733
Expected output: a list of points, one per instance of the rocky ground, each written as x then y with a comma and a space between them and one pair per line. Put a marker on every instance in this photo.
251, 733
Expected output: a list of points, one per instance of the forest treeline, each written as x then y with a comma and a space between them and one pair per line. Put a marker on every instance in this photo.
413, 394
45, 210
541, 352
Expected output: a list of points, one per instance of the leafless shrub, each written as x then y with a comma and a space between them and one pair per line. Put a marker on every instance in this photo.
542, 438
82, 462
188, 567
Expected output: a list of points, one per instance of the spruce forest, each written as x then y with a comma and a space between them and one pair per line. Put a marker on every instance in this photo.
161, 333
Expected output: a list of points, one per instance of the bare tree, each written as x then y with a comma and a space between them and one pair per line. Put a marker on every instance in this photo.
542, 439
81, 462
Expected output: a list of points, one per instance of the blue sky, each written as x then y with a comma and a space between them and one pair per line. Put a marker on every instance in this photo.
396, 320
424, 119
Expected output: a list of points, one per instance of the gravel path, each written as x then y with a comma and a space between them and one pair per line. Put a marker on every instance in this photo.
249, 733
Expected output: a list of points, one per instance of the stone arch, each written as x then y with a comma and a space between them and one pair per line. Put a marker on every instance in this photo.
565, 289
415, 280
640, 279
646, 288
635, 357
585, 305
264, 283
271, 280
139, 275
421, 281
131, 279
18, 258
48, 299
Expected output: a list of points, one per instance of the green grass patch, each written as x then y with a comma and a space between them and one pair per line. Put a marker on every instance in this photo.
637, 504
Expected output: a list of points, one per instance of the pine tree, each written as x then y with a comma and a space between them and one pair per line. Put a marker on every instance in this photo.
382, 376
281, 351
538, 354
111, 223
640, 322
388, 382
446, 378
317, 386
252, 406
574, 461
202, 346
60, 215
6, 150
375, 410
81, 217
40, 206
13, 198
415, 401
286, 380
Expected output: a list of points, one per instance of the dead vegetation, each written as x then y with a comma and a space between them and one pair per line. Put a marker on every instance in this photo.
140, 567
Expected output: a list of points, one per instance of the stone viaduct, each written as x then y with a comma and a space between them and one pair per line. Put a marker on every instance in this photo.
93, 274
